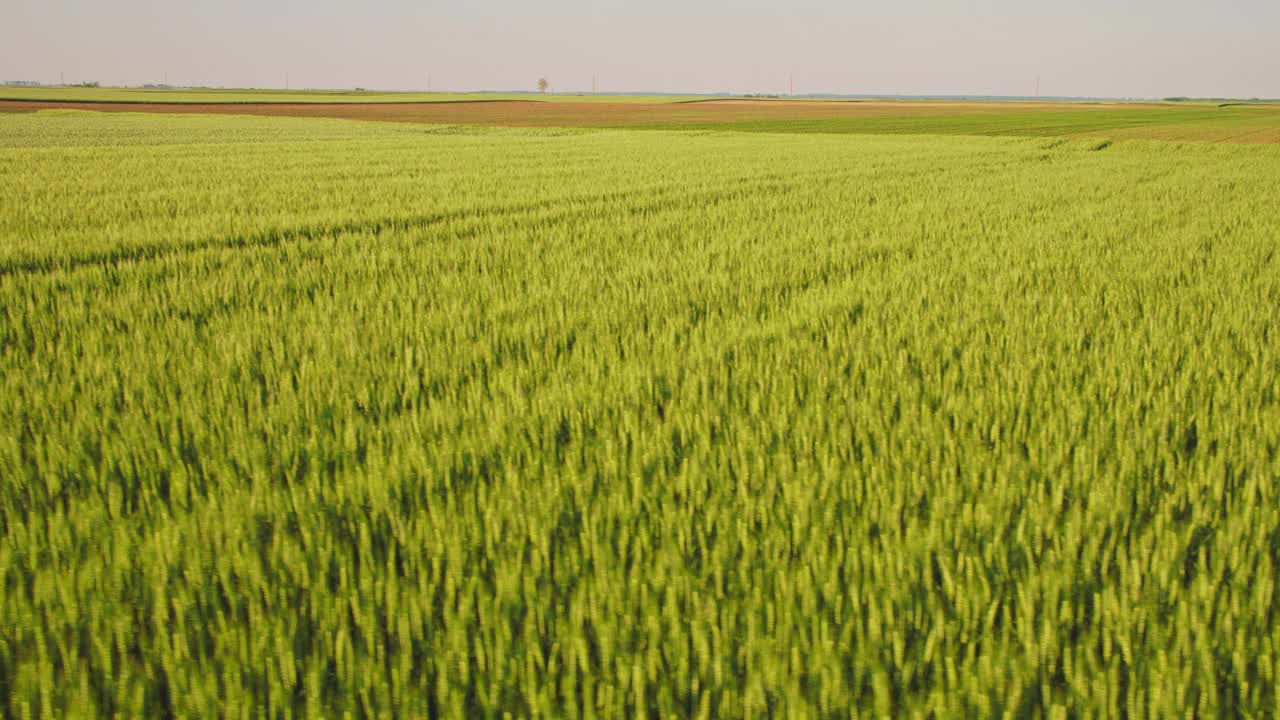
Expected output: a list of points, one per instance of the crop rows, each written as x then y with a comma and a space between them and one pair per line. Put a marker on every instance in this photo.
306, 418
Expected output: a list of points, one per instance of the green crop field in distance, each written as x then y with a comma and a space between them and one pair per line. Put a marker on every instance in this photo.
313, 418
1186, 122
1244, 124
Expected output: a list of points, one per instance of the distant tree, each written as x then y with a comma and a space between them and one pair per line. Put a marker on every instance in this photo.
543, 85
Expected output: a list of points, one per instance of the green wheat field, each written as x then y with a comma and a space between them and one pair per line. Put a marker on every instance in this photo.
306, 418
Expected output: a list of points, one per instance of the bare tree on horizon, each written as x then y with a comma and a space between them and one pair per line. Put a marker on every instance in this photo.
543, 85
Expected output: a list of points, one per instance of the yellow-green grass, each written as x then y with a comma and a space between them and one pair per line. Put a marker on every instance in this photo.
318, 418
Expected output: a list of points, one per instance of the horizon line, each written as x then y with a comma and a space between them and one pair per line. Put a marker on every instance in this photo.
623, 93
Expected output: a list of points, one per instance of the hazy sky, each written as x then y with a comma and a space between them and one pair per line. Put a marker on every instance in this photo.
1115, 48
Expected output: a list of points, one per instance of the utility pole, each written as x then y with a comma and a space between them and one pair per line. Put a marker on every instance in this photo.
62, 78
792, 78
428, 83
593, 84
1037, 86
